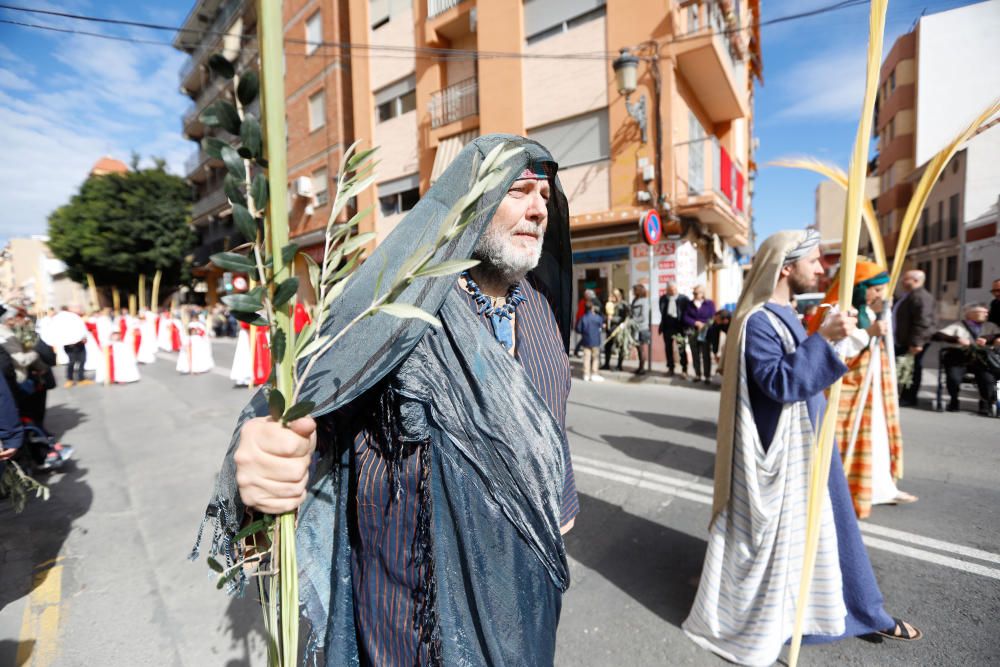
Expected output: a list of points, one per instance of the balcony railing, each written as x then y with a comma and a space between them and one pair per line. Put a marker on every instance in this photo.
213, 200
710, 170
210, 38
207, 96
435, 7
455, 102
194, 161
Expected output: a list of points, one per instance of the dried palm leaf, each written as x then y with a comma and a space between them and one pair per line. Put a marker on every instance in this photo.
918, 200
822, 450
837, 175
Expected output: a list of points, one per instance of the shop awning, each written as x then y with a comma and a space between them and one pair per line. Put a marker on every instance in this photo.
447, 150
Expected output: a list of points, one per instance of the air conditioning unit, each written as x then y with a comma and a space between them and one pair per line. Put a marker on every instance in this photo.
303, 187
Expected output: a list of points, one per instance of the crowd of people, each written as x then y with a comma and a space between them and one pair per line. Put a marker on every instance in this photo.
691, 327
107, 348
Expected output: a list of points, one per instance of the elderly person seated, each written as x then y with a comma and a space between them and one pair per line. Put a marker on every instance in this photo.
972, 346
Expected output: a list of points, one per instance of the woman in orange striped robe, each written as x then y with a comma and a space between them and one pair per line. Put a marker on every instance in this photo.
868, 432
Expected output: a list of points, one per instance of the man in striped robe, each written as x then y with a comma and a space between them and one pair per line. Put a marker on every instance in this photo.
430, 530
772, 400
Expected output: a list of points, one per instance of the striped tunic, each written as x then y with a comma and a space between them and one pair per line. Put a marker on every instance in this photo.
384, 575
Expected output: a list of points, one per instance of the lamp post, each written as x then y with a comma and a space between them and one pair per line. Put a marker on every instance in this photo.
626, 67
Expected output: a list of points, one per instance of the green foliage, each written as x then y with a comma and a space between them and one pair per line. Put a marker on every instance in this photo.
221, 66
248, 88
16, 485
120, 225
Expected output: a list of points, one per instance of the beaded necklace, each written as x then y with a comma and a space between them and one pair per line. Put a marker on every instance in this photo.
502, 317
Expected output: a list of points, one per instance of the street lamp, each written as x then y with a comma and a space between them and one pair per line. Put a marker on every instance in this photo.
626, 77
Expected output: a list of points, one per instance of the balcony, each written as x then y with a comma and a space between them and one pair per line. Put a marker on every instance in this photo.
210, 203
896, 197
454, 103
435, 7
196, 167
711, 187
190, 124
712, 64
209, 41
449, 20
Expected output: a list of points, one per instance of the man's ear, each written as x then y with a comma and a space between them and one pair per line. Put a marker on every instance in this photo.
786, 271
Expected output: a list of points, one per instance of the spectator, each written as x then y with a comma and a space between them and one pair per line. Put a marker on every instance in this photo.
698, 314
589, 328
716, 336
11, 431
913, 322
972, 342
617, 313
673, 305
640, 317
588, 300
995, 303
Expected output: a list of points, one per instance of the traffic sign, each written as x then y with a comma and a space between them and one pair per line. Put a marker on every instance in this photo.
651, 227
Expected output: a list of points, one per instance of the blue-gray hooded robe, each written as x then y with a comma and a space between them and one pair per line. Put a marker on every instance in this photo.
494, 454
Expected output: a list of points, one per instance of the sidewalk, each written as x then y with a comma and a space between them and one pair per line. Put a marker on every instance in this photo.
968, 398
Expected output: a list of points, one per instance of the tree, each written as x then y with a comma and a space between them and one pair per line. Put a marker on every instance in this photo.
120, 225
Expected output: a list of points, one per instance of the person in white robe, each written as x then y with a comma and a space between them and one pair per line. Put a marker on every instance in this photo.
241, 372
196, 350
772, 399
147, 340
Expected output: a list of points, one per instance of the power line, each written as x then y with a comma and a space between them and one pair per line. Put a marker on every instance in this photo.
451, 55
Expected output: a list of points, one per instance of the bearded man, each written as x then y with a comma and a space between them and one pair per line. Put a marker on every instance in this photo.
772, 400
430, 530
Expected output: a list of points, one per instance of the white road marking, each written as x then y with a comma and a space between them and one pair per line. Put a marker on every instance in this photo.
702, 493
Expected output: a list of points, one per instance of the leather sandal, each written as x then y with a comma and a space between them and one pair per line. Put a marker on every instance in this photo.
901, 632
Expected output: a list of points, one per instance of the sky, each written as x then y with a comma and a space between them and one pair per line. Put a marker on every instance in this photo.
810, 102
66, 100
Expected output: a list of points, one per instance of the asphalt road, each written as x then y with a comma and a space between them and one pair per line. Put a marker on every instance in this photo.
99, 575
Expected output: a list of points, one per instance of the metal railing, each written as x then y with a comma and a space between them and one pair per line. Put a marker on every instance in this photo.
207, 96
455, 102
210, 39
213, 200
700, 166
435, 7
194, 161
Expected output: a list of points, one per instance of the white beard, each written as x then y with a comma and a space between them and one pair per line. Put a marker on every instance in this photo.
499, 256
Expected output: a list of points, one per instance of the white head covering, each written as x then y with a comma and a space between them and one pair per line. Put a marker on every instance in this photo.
773, 254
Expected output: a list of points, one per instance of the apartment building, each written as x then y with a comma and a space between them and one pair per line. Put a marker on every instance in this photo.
934, 81
544, 69
213, 26
375, 71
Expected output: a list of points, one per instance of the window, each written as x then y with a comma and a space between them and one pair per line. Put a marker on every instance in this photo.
396, 99
925, 225
954, 165
953, 216
951, 269
696, 155
577, 140
317, 111
693, 18
399, 195
940, 283
892, 129
892, 80
545, 18
974, 279
314, 33
321, 186
928, 269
